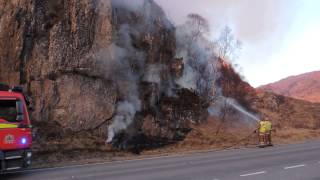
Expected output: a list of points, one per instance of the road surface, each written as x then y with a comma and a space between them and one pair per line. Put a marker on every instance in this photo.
287, 162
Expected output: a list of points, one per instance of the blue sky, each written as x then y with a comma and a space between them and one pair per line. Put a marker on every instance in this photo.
280, 37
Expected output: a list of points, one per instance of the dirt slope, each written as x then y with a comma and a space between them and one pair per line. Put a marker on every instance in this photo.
305, 87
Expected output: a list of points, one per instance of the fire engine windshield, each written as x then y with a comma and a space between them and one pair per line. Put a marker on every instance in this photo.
11, 110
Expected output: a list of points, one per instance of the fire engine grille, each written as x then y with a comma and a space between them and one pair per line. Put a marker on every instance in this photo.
13, 160
13, 154
14, 164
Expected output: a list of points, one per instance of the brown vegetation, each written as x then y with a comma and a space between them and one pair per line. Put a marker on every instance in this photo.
304, 87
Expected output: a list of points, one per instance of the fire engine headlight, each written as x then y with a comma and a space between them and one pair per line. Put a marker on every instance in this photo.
29, 154
24, 141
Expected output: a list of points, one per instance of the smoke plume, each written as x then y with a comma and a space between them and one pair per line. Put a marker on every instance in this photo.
202, 66
127, 62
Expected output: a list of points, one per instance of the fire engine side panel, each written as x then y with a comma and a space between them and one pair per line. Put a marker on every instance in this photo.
15, 138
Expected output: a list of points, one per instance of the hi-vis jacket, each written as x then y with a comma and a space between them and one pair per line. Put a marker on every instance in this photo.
265, 126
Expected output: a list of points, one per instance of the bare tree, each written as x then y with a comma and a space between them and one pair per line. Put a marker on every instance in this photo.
199, 25
222, 116
227, 46
199, 54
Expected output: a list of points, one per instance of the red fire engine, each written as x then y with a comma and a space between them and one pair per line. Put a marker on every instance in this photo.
15, 130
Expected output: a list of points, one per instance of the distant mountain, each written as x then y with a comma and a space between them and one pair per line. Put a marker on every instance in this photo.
305, 86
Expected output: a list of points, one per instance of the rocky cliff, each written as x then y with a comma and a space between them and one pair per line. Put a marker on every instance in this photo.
46, 46
91, 65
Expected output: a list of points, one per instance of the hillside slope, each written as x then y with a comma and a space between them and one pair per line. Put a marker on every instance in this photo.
293, 120
305, 87
105, 68
284, 111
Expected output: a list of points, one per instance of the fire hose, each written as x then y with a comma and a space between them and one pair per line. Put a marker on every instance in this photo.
242, 140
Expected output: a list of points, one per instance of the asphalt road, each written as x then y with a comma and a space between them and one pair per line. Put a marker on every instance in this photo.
287, 162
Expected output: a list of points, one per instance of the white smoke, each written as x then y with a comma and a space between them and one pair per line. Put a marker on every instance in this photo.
127, 66
117, 67
132, 5
116, 62
124, 63
152, 73
126, 81
124, 116
200, 60
201, 70
188, 79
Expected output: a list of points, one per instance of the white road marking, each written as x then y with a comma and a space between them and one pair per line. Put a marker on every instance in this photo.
296, 166
255, 173
97, 164
161, 156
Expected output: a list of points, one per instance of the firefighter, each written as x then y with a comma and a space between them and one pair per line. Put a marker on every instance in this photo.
262, 132
268, 125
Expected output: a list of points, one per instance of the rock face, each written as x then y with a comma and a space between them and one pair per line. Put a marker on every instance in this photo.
46, 46
79, 59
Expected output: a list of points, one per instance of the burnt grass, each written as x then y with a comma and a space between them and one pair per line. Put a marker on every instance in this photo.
141, 142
